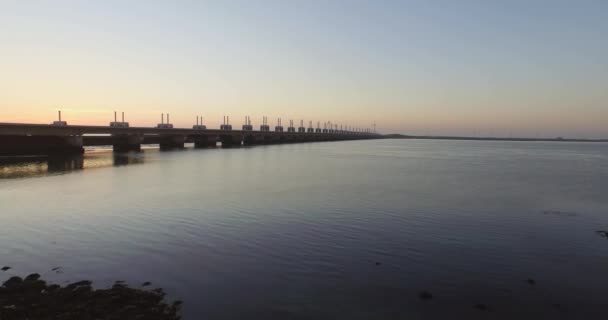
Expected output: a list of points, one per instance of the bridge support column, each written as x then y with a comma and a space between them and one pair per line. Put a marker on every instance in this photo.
267, 139
204, 141
40, 145
125, 143
230, 140
168, 142
250, 139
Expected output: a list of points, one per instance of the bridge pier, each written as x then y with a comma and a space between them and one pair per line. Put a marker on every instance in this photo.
230, 140
204, 141
40, 145
125, 143
266, 139
168, 142
251, 139
303, 138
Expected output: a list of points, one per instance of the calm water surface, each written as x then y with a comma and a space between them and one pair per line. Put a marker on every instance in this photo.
344, 230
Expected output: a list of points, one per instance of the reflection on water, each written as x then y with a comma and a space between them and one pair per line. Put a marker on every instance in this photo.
63, 164
122, 159
24, 167
344, 230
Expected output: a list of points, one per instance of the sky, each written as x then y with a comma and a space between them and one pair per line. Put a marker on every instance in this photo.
468, 67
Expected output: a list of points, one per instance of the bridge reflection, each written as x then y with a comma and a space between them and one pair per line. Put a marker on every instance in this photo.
24, 167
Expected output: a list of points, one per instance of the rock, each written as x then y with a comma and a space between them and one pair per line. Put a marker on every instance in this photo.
481, 306
79, 285
32, 277
34, 299
602, 233
12, 282
159, 291
425, 295
35, 285
52, 287
5, 268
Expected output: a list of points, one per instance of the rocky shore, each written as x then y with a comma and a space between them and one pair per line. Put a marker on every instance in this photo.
33, 299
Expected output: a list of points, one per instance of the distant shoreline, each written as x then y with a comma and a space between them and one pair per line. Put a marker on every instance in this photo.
559, 139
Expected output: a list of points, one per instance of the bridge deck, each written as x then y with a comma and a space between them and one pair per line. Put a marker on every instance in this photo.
51, 130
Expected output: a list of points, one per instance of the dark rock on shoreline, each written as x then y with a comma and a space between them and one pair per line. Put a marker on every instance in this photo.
602, 233
32, 277
32, 298
481, 306
425, 295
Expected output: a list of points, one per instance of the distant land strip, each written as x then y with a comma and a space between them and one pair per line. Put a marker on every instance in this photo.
558, 139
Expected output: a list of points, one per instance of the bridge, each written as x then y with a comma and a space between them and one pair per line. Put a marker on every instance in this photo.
61, 138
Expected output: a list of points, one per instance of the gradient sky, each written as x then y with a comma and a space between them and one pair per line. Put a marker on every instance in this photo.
521, 68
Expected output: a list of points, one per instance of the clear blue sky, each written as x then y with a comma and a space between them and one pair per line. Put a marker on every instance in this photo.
439, 67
